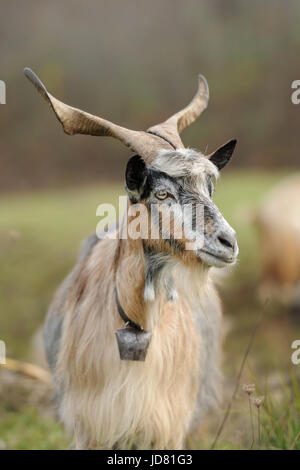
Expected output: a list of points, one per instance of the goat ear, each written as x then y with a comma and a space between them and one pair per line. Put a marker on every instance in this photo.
223, 154
136, 177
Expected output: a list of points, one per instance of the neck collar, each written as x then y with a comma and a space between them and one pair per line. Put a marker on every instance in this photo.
124, 316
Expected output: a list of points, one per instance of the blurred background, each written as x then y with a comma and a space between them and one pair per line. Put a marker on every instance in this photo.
136, 63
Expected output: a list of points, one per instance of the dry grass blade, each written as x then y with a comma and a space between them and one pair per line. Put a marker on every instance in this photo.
295, 441
238, 379
30, 370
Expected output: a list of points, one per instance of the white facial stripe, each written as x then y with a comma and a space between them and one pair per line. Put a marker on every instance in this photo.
186, 163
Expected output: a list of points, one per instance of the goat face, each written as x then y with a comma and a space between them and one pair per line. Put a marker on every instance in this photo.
163, 177
176, 192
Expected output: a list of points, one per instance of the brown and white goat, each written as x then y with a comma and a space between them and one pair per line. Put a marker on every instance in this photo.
278, 222
162, 287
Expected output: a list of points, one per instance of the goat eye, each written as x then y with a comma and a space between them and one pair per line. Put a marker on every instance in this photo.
161, 195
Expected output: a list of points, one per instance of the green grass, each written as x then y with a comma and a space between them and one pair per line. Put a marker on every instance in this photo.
26, 429
40, 233
281, 419
279, 422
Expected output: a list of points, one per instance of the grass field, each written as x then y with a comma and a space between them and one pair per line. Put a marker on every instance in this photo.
40, 233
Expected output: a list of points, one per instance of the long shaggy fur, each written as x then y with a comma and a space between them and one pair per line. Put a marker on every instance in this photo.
112, 403
109, 403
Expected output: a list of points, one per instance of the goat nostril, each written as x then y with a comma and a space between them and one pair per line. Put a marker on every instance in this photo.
226, 242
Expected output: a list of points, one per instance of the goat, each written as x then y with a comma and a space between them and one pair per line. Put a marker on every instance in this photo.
277, 220
156, 285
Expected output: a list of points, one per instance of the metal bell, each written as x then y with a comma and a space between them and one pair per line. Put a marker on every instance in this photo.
133, 343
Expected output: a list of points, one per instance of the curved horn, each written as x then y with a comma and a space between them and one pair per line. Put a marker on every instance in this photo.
172, 127
76, 121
